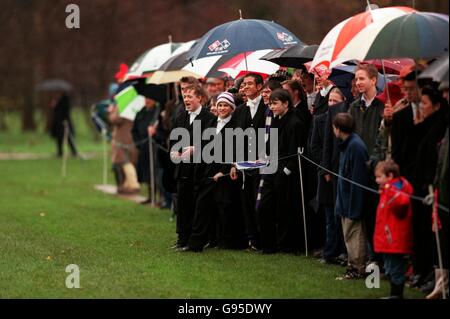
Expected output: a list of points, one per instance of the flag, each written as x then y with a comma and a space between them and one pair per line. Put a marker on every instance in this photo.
129, 102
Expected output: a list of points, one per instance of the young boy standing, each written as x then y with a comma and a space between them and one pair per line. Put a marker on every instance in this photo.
393, 227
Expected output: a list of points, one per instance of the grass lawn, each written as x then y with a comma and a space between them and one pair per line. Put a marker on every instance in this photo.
122, 248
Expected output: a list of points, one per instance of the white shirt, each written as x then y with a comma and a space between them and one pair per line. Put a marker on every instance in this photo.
368, 102
325, 91
414, 108
311, 98
253, 105
221, 123
193, 115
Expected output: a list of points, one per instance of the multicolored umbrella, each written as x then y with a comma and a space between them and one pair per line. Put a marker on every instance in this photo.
330, 51
243, 35
414, 35
249, 62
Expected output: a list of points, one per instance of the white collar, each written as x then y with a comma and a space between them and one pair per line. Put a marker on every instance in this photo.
254, 102
368, 103
225, 120
325, 91
196, 112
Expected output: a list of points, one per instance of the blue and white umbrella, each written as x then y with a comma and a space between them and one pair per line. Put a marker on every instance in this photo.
243, 35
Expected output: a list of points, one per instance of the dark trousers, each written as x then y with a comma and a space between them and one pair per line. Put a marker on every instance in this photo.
248, 200
60, 144
185, 210
203, 217
370, 213
395, 268
422, 239
333, 241
280, 215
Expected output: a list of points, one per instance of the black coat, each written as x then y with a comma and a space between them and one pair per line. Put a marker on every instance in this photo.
244, 120
305, 118
61, 113
433, 131
404, 141
144, 118
187, 170
367, 121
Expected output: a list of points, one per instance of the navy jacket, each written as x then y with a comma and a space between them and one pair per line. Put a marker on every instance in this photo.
352, 165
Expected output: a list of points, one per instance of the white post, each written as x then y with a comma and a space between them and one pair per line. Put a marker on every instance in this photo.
64, 150
438, 241
152, 173
105, 157
300, 152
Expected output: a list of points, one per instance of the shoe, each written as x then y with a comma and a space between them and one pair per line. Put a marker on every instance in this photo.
145, 202
396, 291
188, 249
210, 245
441, 279
178, 246
350, 274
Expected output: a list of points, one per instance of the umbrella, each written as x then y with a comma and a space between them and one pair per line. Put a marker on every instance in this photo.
246, 62
391, 66
437, 71
206, 67
293, 57
151, 60
54, 85
131, 98
170, 71
414, 35
330, 49
243, 35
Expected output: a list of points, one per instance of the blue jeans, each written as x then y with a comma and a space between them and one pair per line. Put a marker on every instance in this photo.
395, 267
333, 240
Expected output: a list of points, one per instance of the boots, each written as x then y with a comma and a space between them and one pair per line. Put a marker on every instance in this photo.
118, 174
396, 291
441, 276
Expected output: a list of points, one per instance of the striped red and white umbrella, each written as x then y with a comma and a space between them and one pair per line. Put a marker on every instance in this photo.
331, 51
249, 62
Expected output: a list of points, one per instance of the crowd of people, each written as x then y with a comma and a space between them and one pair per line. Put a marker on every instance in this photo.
353, 201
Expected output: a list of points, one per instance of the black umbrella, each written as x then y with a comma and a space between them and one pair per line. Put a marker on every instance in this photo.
293, 57
54, 85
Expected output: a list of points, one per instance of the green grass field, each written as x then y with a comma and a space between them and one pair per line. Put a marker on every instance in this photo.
123, 249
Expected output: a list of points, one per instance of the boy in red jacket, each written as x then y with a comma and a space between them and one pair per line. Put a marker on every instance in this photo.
393, 228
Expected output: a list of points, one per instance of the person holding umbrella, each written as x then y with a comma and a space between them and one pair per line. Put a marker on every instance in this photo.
62, 123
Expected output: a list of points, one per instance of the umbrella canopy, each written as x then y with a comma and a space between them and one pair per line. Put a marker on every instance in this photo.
131, 99
391, 66
243, 35
293, 57
249, 62
348, 31
54, 85
151, 60
437, 71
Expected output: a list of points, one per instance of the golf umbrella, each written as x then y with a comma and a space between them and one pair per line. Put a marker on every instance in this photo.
243, 35
353, 30
249, 62
293, 57
437, 71
151, 60
54, 85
